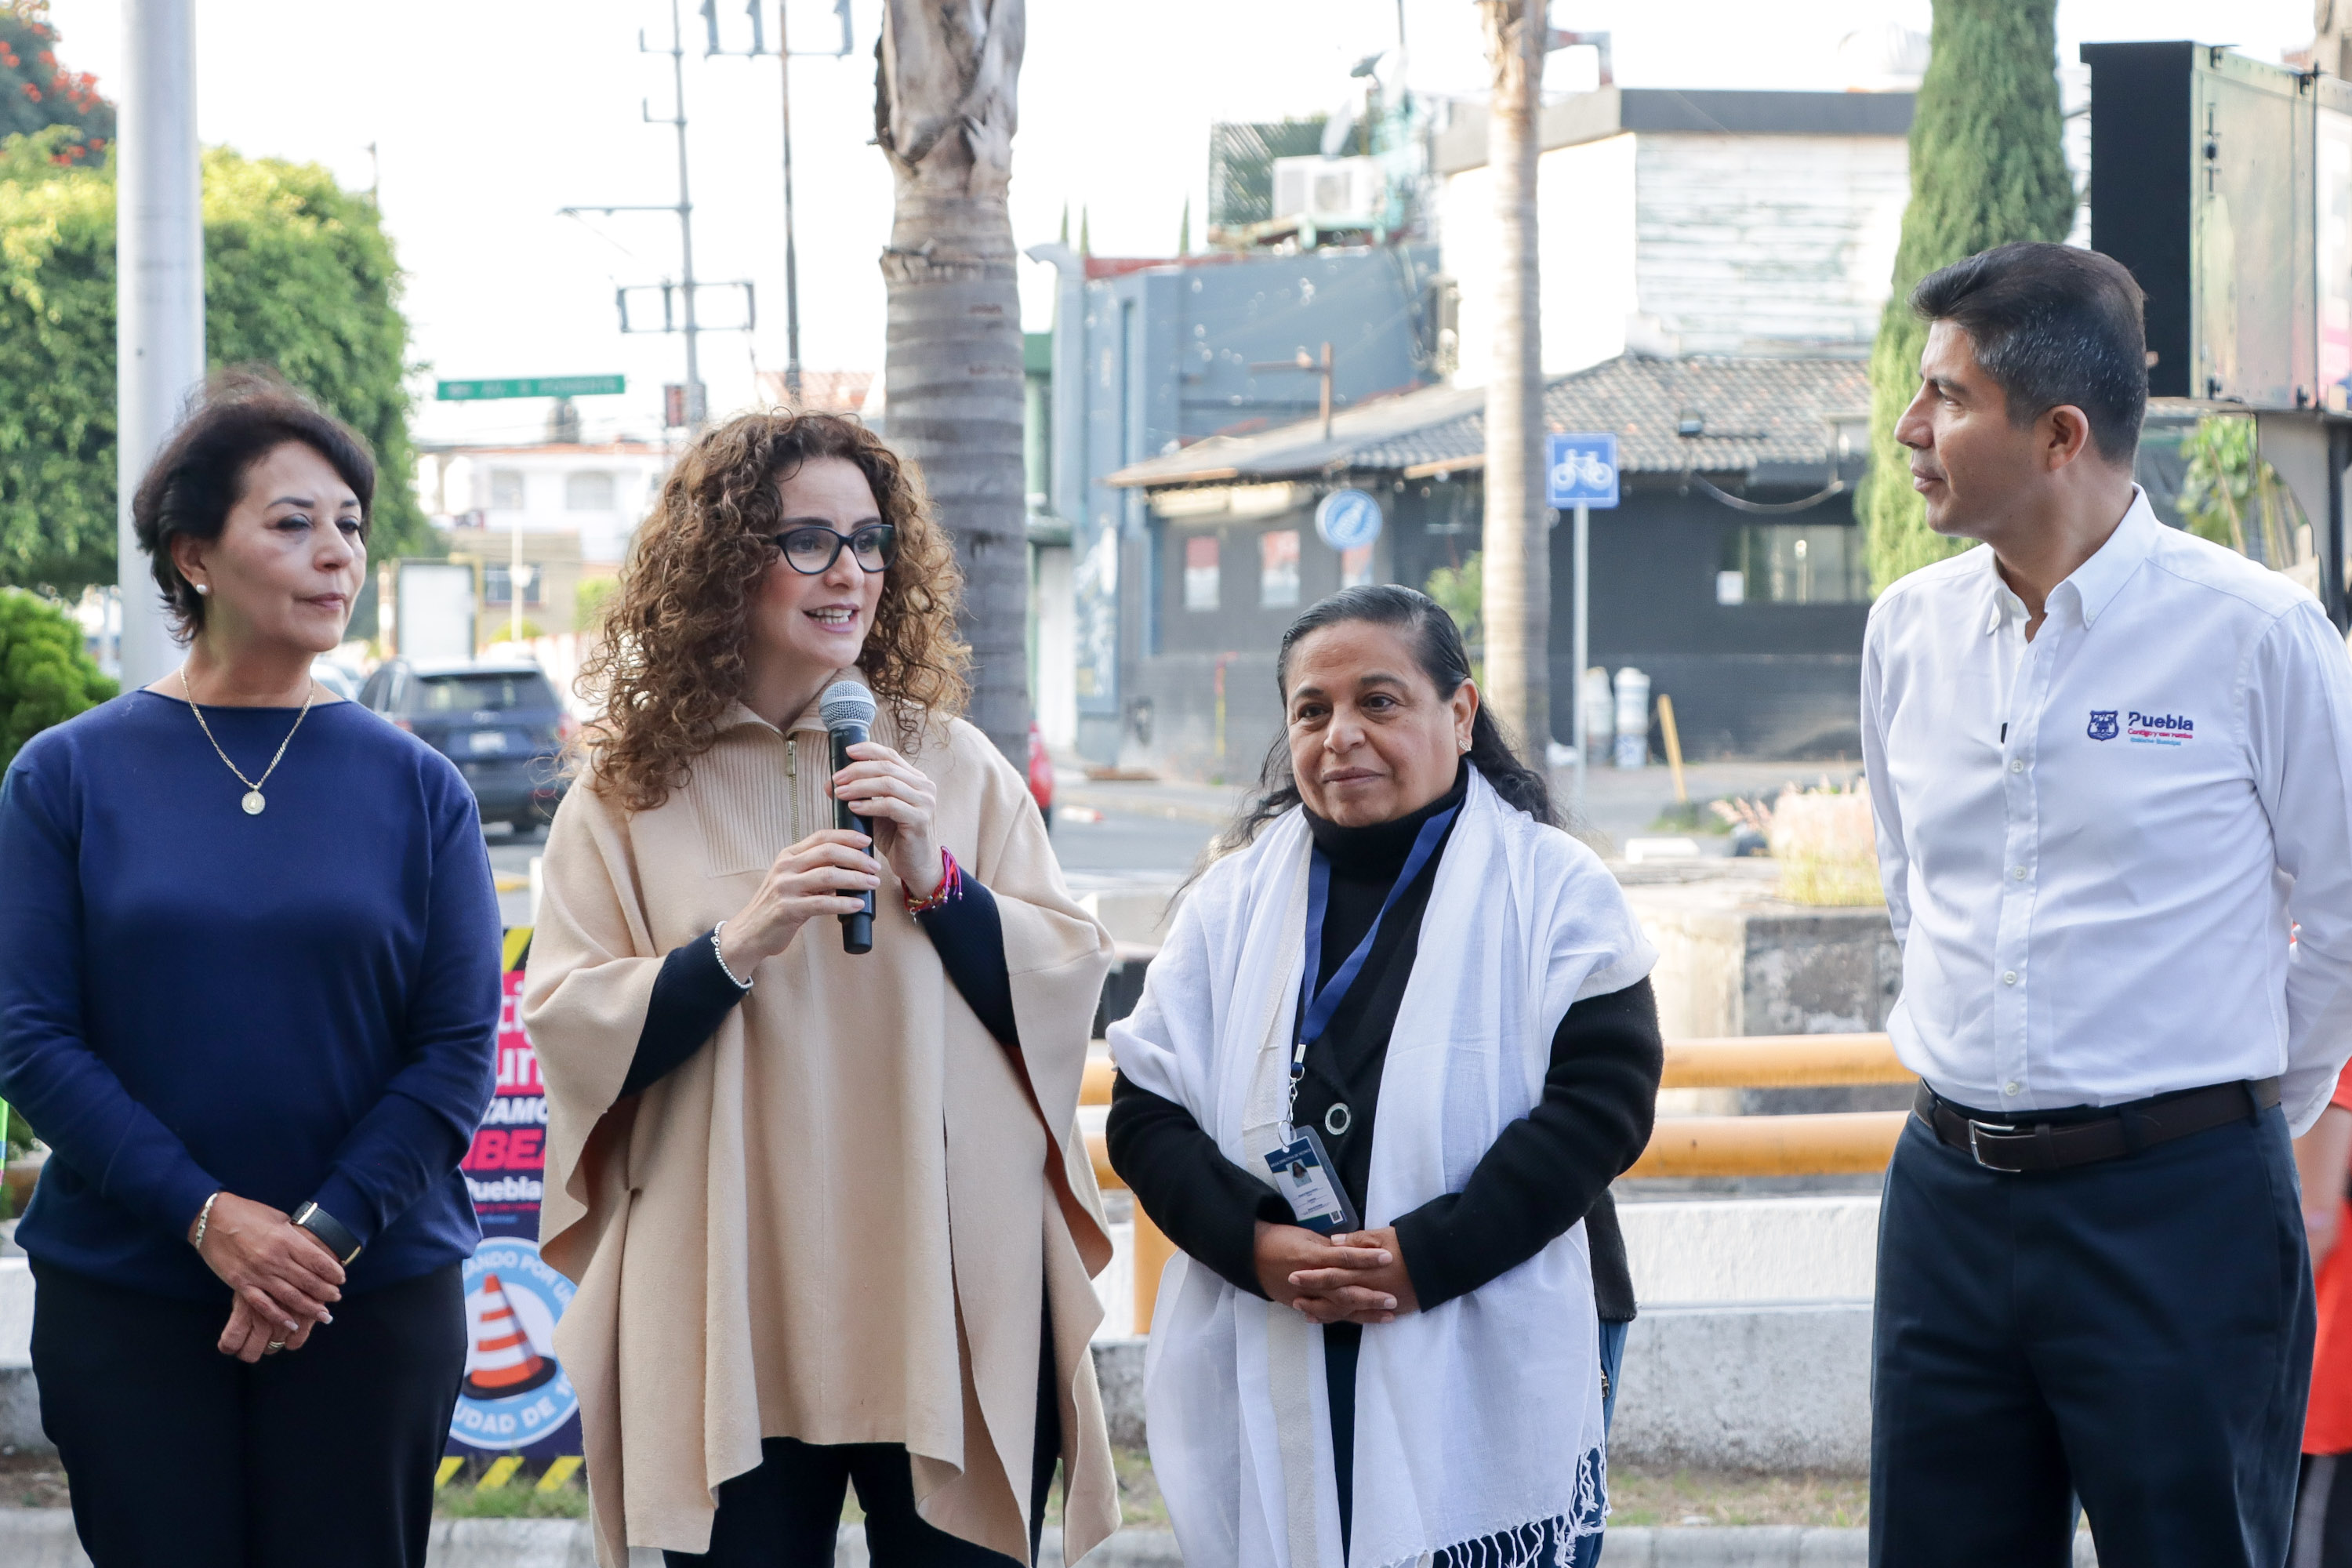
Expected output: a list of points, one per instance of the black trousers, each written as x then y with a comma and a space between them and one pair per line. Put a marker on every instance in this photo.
178, 1454
2136, 1331
787, 1514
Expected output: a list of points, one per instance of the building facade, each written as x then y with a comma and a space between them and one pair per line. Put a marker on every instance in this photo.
1150, 355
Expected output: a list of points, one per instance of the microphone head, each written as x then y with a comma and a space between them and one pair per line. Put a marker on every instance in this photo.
846, 705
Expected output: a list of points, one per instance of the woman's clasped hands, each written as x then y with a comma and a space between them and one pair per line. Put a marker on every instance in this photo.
282, 1277
1355, 1277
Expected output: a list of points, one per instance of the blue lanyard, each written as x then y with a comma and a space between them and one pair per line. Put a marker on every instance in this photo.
1318, 1005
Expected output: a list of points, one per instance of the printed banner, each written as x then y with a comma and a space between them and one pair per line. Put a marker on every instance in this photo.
516, 1399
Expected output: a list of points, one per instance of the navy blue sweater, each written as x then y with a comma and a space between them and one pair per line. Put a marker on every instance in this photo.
301, 1004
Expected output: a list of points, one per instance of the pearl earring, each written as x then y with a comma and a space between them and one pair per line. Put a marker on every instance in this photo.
204, 588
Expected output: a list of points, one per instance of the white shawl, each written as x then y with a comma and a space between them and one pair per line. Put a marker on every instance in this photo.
1481, 1417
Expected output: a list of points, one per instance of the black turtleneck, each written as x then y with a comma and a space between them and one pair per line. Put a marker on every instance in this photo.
1548, 1169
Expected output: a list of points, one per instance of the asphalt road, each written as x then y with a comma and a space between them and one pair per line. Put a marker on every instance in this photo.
1152, 833
511, 854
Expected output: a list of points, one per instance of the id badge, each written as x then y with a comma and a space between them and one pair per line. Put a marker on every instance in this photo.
1305, 1177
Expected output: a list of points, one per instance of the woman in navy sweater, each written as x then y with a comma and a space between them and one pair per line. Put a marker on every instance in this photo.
248, 994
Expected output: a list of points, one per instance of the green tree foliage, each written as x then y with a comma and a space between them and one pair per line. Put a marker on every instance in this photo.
1986, 169
1461, 592
37, 92
299, 274
45, 677
2231, 496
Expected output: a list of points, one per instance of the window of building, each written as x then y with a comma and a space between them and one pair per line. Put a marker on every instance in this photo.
591, 489
497, 584
1278, 569
1201, 571
505, 489
1793, 563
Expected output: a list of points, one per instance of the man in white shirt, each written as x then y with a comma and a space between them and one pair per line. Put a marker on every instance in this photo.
2112, 770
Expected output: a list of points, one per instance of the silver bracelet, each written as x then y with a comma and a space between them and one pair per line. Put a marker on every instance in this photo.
204, 1218
719, 953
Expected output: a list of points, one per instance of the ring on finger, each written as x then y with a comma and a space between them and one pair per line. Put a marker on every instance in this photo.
274, 1346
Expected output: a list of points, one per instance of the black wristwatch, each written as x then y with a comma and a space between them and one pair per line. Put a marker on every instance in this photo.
329, 1229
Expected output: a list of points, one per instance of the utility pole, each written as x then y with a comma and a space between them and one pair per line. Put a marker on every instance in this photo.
694, 411
784, 53
158, 253
792, 253
1320, 367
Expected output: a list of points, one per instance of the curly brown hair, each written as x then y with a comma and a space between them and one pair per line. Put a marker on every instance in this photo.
671, 659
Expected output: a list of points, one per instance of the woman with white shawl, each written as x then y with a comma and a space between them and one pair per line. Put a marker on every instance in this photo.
1385, 1350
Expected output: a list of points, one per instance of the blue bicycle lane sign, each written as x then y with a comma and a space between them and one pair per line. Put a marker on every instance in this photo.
1581, 469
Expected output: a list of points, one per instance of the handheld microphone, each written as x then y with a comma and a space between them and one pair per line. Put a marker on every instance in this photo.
847, 710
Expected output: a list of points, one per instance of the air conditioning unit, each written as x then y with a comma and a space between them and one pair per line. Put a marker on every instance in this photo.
1330, 192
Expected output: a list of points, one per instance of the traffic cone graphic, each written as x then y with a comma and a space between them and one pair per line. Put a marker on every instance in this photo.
505, 1361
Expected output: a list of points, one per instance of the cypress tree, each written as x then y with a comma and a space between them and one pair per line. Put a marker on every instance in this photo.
1986, 169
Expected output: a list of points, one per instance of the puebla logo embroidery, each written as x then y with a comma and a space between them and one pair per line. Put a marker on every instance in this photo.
2103, 724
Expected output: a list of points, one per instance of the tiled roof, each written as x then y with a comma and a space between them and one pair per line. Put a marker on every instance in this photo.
1751, 413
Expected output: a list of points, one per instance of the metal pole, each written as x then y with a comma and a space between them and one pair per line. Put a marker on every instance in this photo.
158, 254
514, 583
1581, 548
694, 409
791, 255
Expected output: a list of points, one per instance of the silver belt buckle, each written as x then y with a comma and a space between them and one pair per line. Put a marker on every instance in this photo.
1976, 1150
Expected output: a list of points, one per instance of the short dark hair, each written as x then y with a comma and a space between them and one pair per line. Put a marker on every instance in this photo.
2052, 324
243, 414
1438, 649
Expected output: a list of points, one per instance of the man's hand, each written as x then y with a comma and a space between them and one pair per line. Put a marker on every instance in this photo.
1354, 1279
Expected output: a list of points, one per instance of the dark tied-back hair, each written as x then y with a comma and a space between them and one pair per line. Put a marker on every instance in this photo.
243, 415
2052, 326
1437, 648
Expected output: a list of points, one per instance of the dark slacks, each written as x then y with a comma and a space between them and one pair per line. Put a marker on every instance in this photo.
2137, 1331
178, 1454
787, 1513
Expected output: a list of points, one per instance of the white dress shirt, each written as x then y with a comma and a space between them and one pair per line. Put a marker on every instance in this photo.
2098, 906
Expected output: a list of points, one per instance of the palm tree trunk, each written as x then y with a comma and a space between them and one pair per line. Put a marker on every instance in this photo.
944, 115
1517, 546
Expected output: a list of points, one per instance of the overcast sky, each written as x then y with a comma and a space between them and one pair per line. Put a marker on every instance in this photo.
487, 115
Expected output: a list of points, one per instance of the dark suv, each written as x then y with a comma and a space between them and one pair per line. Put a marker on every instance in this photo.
501, 723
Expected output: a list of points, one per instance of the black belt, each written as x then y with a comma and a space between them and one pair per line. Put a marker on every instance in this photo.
2027, 1144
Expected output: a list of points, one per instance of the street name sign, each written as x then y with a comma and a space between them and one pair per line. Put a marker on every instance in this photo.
530, 386
1581, 469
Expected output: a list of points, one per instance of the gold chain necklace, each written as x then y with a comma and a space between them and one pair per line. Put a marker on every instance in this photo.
253, 801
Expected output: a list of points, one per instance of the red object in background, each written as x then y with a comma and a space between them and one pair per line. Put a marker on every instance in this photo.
2327, 1423
1041, 774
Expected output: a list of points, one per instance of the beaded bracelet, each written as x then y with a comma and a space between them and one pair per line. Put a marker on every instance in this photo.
720, 953
950, 888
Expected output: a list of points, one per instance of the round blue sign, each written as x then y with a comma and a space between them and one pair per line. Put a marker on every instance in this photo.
515, 1393
1348, 518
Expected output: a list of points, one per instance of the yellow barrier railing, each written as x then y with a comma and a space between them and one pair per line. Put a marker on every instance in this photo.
1838, 1143
1782, 1061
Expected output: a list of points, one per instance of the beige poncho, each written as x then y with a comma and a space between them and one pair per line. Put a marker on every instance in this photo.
839, 1220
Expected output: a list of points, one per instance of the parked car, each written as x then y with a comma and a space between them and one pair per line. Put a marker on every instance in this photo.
501, 722
336, 676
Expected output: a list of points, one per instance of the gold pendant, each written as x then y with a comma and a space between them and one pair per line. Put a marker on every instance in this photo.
254, 803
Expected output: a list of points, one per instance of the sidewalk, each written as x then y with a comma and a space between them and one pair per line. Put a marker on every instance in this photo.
44, 1538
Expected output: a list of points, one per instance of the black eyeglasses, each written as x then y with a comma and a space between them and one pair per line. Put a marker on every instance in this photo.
812, 549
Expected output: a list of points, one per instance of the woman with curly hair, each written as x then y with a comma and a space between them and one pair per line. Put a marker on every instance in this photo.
828, 1211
